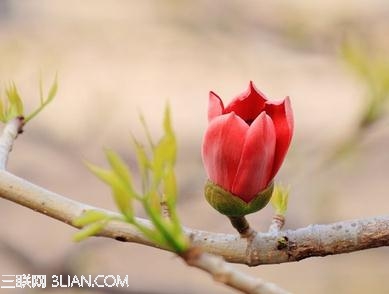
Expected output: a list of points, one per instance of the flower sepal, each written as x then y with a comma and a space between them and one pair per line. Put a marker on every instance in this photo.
230, 205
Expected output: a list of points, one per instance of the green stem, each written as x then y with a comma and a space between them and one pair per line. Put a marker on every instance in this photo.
158, 223
241, 225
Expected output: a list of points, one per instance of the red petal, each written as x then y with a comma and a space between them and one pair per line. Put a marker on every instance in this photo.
222, 148
248, 105
282, 116
215, 106
256, 163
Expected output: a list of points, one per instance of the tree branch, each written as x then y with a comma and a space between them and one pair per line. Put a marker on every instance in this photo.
264, 248
224, 273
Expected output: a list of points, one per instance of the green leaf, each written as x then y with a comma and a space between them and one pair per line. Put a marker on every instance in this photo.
89, 217
123, 195
143, 164
123, 201
167, 122
151, 234
170, 186
12, 106
44, 102
105, 175
279, 199
161, 225
147, 130
90, 230
15, 104
53, 90
170, 197
152, 199
164, 154
118, 166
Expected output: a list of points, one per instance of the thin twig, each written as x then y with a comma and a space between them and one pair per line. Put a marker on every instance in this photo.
277, 223
224, 273
11, 130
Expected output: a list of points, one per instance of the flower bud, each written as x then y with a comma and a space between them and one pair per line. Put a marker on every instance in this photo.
243, 149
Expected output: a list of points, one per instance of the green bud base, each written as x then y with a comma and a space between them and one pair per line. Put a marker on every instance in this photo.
230, 205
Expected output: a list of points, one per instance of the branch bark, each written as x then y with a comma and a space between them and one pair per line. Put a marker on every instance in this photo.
263, 248
224, 273
10, 132
277, 223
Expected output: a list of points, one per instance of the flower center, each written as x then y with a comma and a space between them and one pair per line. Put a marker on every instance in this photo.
249, 121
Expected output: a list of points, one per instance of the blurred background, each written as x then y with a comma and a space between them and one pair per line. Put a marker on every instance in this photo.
115, 59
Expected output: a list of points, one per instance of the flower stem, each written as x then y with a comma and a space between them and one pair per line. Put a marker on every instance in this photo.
241, 224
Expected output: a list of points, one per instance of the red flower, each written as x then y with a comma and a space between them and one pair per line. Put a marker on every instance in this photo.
246, 142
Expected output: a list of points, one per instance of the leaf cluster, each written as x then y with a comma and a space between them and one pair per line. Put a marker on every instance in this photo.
158, 194
11, 106
279, 199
